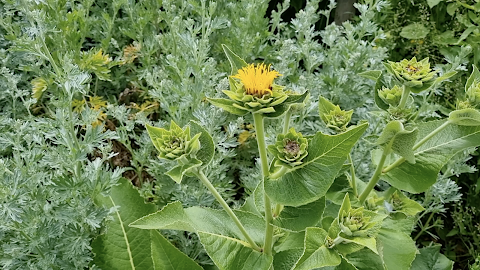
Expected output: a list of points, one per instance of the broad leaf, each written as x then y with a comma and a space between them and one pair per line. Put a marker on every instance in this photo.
299, 218
177, 172
414, 31
316, 254
430, 258
397, 250
365, 259
311, 180
400, 140
432, 3
403, 204
166, 256
207, 220
286, 259
371, 74
122, 247
236, 62
207, 147
229, 253
432, 156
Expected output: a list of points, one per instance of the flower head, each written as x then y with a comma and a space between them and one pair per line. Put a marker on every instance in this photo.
416, 75
290, 148
257, 80
174, 144
337, 118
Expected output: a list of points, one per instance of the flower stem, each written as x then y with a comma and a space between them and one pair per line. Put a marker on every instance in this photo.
225, 206
376, 176
262, 148
417, 145
352, 172
425, 227
286, 120
405, 95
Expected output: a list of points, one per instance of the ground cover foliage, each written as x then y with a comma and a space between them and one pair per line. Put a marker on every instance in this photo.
80, 80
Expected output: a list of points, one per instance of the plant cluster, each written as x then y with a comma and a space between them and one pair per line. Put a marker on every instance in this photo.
268, 163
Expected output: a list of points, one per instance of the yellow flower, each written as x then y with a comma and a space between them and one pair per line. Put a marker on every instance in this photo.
257, 80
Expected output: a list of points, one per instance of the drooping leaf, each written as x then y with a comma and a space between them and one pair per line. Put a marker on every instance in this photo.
166, 256
316, 254
311, 180
432, 156
195, 219
236, 62
301, 217
122, 247
229, 253
177, 172
397, 250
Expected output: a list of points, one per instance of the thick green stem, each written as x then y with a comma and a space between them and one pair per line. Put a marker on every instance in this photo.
352, 172
262, 148
376, 176
405, 95
417, 145
227, 208
279, 173
286, 120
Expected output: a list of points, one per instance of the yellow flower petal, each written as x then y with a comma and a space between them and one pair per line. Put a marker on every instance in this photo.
257, 80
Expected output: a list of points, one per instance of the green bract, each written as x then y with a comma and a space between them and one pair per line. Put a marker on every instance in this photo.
334, 117
391, 96
473, 93
174, 144
255, 103
289, 149
416, 75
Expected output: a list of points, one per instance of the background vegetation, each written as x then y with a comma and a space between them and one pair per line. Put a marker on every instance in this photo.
80, 79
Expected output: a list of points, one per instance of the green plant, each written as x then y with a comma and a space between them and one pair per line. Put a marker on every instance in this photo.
287, 217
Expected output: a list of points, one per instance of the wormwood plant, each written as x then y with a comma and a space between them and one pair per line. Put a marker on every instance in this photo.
305, 213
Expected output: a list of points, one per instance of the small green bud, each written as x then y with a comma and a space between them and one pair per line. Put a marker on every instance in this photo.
391, 96
290, 148
354, 223
412, 73
337, 118
473, 93
174, 144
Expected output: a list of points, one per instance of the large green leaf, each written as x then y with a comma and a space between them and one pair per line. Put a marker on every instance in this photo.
365, 259
414, 31
400, 139
122, 247
316, 254
432, 156
195, 219
165, 256
311, 180
286, 259
395, 247
299, 218
231, 254
430, 258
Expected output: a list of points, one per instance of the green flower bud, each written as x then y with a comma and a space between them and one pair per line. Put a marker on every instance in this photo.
391, 96
473, 93
174, 144
337, 118
412, 73
355, 223
290, 149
